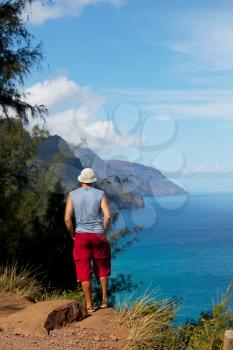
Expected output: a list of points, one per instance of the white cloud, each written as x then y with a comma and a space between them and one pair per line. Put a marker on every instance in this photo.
56, 91
201, 34
199, 103
41, 11
164, 118
200, 168
209, 110
203, 169
75, 125
72, 114
204, 38
219, 168
171, 95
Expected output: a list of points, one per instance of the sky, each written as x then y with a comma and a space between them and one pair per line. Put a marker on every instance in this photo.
146, 81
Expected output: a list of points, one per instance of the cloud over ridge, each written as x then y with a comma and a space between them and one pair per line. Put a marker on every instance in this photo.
72, 114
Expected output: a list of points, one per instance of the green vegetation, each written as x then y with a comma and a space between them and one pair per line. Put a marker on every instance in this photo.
19, 281
18, 58
209, 331
151, 326
76, 294
149, 321
32, 210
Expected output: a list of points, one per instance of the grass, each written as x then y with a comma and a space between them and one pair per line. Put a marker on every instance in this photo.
209, 332
19, 281
77, 295
150, 325
148, 319
23, 281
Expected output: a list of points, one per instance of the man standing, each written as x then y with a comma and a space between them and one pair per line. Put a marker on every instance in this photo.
90, 209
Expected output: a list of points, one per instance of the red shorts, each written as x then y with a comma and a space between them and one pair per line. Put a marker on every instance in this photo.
91, 253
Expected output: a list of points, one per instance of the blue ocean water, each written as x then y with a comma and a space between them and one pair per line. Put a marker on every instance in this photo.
185, 249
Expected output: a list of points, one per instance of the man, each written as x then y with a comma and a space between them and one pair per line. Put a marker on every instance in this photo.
92, 218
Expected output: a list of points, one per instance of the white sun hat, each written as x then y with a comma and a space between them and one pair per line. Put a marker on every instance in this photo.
87, 176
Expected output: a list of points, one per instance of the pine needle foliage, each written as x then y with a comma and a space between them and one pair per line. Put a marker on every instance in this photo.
18, 56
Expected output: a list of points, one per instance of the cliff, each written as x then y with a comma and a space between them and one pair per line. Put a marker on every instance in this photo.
55, 151
125, 183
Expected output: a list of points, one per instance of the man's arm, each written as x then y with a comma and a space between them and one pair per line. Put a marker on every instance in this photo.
68, 216
106, 212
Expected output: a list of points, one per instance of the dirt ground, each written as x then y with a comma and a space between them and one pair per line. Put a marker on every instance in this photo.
98, 331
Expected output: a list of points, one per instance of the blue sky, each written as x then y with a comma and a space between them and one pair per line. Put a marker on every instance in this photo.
148, 81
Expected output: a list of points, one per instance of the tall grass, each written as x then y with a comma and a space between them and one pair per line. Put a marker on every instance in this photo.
21, 281
209, 332
150, 325
148, 319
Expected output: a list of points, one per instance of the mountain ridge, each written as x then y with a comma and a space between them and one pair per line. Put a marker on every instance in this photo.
145, 179
126, 183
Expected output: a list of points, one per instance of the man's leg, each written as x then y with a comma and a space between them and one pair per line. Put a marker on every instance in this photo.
86, 286
104, 286
82, 254
102, 262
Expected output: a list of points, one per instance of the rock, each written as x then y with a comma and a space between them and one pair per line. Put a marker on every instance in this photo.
64, 314
40, 318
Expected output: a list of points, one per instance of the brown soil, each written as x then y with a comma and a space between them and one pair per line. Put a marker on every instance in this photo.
100, 330
12, 303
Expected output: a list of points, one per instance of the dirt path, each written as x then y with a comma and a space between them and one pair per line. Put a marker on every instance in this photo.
13, 303
98, 331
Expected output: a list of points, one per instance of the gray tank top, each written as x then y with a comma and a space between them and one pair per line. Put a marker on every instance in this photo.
87, 209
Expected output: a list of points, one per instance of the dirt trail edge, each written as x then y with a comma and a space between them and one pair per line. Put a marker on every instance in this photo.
100, 330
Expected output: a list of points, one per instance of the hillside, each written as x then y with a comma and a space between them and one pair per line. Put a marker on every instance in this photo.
145, 179
125, 183
55, 151
135, 177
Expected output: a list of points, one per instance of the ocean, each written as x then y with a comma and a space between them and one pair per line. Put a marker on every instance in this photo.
185, 250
